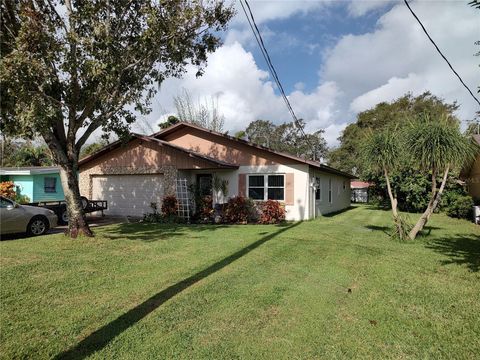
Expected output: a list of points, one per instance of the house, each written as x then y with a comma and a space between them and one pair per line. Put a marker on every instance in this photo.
38, 183
359, 191
132, 175
471, 175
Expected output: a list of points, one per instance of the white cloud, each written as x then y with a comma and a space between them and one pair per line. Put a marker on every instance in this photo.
245, 93
397, 57
357, 73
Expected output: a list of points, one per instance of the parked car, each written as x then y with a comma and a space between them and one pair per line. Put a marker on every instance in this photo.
15, 218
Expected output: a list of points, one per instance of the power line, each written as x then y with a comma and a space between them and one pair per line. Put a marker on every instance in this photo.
266, 56
440, 52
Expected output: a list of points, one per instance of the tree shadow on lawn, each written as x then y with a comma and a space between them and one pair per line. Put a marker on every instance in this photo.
462, 249
101, 337
149, 232
332, 214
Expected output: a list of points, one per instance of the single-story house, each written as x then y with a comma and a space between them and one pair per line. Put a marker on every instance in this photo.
359, 191
38, 183
132, 175
471, 175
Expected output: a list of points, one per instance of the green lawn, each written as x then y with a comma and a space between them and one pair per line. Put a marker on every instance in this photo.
251, 292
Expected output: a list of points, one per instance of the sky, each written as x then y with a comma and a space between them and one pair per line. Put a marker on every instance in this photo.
334, 59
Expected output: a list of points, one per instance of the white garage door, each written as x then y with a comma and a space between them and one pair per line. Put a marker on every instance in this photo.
128, 194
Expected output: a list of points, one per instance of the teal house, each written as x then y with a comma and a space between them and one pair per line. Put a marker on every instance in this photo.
37, 183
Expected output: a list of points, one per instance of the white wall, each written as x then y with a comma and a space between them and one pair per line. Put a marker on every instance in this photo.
305, 206
299, 211
340, 197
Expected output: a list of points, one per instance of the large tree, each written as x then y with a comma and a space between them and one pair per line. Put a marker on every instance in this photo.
435, 147
385, 115
70, 67
289, 138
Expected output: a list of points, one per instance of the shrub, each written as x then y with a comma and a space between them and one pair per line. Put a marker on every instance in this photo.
169, 206
239, 210
7, 189
460, 207
272, 212
205, 211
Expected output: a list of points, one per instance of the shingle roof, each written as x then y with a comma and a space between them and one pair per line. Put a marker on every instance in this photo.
315, 164
114, 145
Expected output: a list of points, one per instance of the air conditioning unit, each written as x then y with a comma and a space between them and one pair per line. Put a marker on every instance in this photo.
476, 214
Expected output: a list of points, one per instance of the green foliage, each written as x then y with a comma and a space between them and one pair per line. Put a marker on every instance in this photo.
25, 153
69, 68
171, 120
381, 151
460, 206
412, 189
287, 138
436, 143
93, 148
394, 115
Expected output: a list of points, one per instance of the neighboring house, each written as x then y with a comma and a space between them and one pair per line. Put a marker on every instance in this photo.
471, 175
359, 191
38, 183
133, 175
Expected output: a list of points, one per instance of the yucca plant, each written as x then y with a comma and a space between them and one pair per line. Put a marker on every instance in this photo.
381, 151
436, 146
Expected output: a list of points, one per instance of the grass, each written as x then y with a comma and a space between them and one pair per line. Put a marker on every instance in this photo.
336, 287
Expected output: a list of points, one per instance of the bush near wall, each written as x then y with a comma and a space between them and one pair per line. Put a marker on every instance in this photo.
239, 210
271, 212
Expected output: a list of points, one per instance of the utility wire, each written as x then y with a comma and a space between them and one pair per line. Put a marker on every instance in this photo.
440, 52
266, 56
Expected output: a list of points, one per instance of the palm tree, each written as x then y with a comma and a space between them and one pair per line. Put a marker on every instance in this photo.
381, 152
437, 147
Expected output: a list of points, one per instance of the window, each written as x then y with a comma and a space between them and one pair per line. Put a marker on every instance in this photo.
318, 189
266, 187
204, 183
344, 184
50, 185
330, 190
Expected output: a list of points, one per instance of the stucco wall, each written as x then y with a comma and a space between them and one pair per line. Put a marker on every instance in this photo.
297, 211
341, 197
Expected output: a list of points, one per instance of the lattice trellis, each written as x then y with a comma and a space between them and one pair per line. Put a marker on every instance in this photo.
183, 198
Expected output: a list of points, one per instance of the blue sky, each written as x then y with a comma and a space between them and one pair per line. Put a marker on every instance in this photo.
334, 59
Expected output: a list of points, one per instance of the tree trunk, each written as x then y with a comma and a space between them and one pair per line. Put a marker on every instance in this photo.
393, 199
432, 205
77, 223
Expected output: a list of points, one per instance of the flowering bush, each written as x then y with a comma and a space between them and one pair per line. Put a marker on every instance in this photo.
7, 189
272, 212
239, 210
169, 206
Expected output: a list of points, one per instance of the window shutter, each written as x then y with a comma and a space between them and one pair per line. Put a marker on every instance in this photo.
242, 184
289, 196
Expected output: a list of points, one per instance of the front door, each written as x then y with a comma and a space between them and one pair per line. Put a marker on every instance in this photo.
204, 183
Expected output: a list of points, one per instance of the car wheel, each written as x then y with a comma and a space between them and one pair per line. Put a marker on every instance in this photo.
84, 202
64, 216
37, 226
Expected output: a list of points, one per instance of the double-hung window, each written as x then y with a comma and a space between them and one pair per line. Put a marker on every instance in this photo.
50, 185
266, 187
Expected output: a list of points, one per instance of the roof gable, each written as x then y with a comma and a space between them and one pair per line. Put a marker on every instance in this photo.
174, 132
